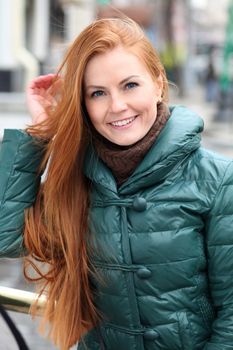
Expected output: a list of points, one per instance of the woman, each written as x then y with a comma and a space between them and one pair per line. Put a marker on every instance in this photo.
134, 218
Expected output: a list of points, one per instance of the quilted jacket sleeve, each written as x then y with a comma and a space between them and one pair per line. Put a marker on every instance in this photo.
19, 181
220, 263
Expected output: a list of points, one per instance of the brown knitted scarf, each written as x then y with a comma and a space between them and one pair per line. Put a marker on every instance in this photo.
123, 160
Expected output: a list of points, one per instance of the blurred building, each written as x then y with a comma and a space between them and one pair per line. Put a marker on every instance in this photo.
34, 33
208, 27
30, 29
209, 20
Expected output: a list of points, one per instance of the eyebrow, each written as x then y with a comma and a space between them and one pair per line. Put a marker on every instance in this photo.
121, 83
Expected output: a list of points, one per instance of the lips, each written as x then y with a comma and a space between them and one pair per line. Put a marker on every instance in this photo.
120, 123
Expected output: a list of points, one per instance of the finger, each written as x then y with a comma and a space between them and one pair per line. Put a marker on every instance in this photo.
42, 81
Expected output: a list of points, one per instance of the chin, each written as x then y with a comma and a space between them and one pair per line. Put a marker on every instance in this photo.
130, 142
125, 140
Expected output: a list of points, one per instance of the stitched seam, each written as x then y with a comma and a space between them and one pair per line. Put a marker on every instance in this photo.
221, 244
136, 266
10, 175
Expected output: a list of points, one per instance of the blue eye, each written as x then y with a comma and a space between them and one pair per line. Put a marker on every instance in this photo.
131, 85
97, 93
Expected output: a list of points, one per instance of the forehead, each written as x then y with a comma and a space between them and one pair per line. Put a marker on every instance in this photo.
117, 62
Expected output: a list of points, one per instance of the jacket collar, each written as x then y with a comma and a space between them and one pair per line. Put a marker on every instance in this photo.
179, 137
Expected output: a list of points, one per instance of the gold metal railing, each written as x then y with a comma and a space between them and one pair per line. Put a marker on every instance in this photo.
19, 300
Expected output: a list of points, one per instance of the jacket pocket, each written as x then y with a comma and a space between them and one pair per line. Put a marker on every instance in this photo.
207, 311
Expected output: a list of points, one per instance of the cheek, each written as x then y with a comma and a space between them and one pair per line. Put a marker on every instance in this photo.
145, 100
90, 108
150, 110
95, 113
148, 105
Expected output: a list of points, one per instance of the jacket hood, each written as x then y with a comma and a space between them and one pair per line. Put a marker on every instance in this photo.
180, 136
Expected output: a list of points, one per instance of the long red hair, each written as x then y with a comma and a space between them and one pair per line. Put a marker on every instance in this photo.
56, 227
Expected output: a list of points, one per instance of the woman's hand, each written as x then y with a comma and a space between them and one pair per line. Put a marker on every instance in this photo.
41, 95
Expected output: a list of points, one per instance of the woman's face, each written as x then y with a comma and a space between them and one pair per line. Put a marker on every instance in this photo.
120, 96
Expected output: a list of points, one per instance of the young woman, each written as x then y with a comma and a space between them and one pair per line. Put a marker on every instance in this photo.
134, 219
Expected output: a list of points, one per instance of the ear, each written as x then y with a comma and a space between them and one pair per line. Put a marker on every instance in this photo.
159, 86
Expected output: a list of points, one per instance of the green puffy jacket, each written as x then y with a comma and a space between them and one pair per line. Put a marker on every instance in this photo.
163, 241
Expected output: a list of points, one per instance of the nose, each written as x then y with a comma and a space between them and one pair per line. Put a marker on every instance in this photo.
117, 103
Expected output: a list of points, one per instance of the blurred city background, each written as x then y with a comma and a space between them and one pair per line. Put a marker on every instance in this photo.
193, 37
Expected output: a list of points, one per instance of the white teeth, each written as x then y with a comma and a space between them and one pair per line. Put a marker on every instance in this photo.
123, 122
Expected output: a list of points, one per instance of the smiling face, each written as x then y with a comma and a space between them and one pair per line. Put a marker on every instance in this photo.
120, 96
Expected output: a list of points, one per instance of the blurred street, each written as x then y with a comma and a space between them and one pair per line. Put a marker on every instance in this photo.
217, 136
